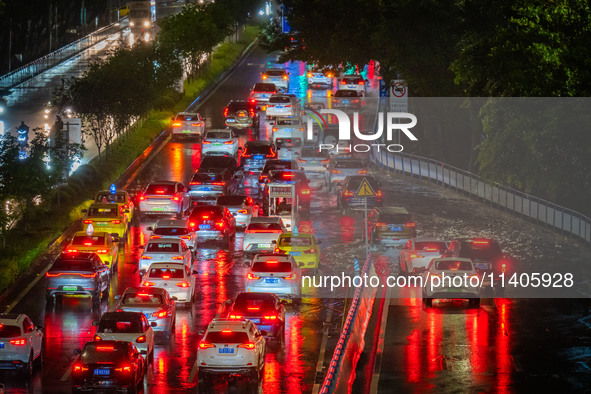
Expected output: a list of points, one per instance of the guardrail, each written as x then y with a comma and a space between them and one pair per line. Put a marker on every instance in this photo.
36, 67
333, 373
513, 201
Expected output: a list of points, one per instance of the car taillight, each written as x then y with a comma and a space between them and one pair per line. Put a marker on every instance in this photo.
248, 345
241, 114
409, 224
379, 193
159, 314
270, 317
325, 161
177, 257
219, 225
126, 368
206, 142
142, 198
194, 183
70, 250
146, 258
301, 161
102, 251
362, 172
141, 339
253, 101
380, 224
264, 76
79, 367
115, 221
277, 250
226, 111
252, 277
336, 172
192, 224
413, 256
205, 345
88, 221
177, 124
305, 191
480, 242
148, 284
310, 251
184, 285
310, 75
97, 338
430, 249
343, 83
218, 183
87, 243
361, 82
238, 317
243, 211
289, 277
176, 198
274, 129
348, 193
251, 231
195, 124
155, 236
185, 237
18, 342
228, 142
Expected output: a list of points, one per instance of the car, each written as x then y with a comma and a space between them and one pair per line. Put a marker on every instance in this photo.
418, 253
179, 228
164, 250
261, 235
486, 255
313, 161
21, 343
188, 124
352, 82
231, 347
260, 93
120, 197
164, 197
78, 274
255, 156
219, 142
392, 226
277, 76
347, 99
127, 326
213, 223
275, 273
444, 289
289, 177
265, 310
241, 114
288, 127
275, 164
241, 207
104, 365
215, 163
339, 168
303, 247
347, 199
320, 79
207, 185
176, 278
108, 218
288, 148
98, 242
282, 105
154, 302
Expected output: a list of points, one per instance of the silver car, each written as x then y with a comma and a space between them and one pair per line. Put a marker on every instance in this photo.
173, 228
241, 207
164, 198
165, 250
261, 235
155, 303
342, 167
275, 273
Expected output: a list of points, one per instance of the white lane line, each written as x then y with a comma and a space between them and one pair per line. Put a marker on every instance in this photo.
380, 351
320, 363
27, 289
193, 372
67, 374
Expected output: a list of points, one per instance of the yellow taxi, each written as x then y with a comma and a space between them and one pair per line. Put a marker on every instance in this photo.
98, 242
120, 197
302, 246
107, 217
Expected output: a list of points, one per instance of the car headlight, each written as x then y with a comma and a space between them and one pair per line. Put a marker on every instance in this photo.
132, 24
147, 24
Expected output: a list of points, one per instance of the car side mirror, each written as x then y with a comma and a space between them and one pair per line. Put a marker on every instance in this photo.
95, 323
77, 351
264, 333
117, 297
150, 228
153, 324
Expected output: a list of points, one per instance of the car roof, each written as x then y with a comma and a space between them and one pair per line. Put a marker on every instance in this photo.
153, 290
299, 235
94, 234
265, 219
265, 257
452, 259
217, 130
429, 240
77, 256
122, 315
167, 265
171, 223
393, 210
258, 143
257, 295
188, 113
162, 183
275, 69
14, 318
101, 205
164, 240
233, 324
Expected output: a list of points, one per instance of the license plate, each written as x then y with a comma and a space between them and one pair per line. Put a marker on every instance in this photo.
351, 86
206, 189
102, 372
271, 280
217, 144
204, 227
482, 265
395, 228
231, 120
264, 95
158, 209
263, 246
186, 131
346, 101
70, 288
278, 106
258, 157
1, 345
255, 321
226, 350
295, 253
102, 223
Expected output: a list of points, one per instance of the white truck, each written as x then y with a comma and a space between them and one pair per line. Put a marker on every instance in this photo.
140, 17
281, 200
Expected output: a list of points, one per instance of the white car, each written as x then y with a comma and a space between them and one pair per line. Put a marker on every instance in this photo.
20, 343
418, 253
219, 142
282, 105
319, 79
275, 273
277, 76
164, 198
312, 160
261, 92
127, 326
352, 82
178, 229
231, 347
435, 286
288, 148
288, 127
176, 278
188, 124
261, 234
241, 207
165, 250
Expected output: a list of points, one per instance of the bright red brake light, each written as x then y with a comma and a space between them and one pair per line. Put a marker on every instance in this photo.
362, 172
270, 317
226, 111
228, 142
141, 339
97, 338
361, 82
177, 257
159, 314
126, 368
194, 183
243, 211
78, 367
252, 277
148, 284
88, 221
18, 342
379, 193
105, 348
310, 251
305, 191
183, 284
177, 124
205, 345
87, 243
380, 224
289, 277
235, 317
155, 236
176, 198
115, 221
160, 191
348, 193
480, 242
142, 198
102, 251
70, 250
248, 345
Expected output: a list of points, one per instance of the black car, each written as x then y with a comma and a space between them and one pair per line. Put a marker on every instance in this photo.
108, 365
347, 198
264, 309
241, 114
207, 184
276, 164
255, 155
216, 162
485, 253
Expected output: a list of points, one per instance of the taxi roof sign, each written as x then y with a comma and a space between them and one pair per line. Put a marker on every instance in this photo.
89, 229
365, 189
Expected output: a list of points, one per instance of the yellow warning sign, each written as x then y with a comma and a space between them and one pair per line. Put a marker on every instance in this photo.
365, 189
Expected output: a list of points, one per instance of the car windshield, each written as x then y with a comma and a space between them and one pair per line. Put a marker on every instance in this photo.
160, 189
430, 246
264, 87
481, 250
100, 212
453, 266
174, 231
85, 240
271, 266
113, 198
207, 213
142, 298
230, 200
162, 247
278, 165
349, 164
205, 177
226, 336
218, 135
114, 324
9, 331
279, 100
289, 142
167, 273
287, 122
352, 79
396, 218
72, 265
314, 152
183, 118
217, 162
275, 73
346, 93
239, 106
263, 226
295, 241
96, 352
253, 305
258, 149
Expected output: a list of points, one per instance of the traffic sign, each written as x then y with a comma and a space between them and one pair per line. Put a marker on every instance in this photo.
398, 88
365, 189
399, 96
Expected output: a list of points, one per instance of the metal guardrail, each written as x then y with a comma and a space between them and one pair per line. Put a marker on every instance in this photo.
332, 374
36, 67
567, 221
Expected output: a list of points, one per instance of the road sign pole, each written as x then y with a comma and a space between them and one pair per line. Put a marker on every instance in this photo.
366, 230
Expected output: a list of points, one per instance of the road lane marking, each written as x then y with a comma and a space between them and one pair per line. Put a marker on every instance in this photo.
378, 364
67, 374
27, 289
320, 364
193, 372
